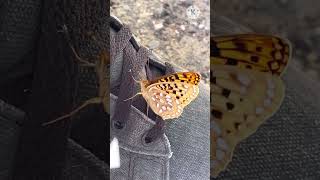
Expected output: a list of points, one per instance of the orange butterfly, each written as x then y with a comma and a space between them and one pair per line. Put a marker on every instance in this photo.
169, 94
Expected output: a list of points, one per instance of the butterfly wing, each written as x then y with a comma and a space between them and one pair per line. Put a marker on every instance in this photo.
241, 101
251, 51
245, 89
168, 95
162, 103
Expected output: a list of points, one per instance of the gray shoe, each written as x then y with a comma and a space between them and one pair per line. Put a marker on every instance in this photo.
150, 150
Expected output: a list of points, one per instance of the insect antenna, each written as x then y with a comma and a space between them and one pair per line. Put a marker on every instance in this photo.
133, 96
130, 71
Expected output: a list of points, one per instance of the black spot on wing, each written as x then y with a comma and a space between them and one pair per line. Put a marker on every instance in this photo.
231, 61
216, 114
214, 50
226, 92
229, 106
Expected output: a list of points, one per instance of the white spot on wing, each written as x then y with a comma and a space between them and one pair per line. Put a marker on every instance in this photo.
219, 154
270, 83
267, 102
244, 79
213, 163
215, 127
270, 93
259, 110
222, 144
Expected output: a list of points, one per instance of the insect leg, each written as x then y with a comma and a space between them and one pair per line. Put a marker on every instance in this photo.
95, 100
78, 58
147, 110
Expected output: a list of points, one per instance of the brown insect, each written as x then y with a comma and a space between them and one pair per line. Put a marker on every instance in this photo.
103, 60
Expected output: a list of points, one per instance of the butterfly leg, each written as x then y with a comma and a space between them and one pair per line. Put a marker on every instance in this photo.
95, 100
64, 30
147, 110
78, 58
106, 102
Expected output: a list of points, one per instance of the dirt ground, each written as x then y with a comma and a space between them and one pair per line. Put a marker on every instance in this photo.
164, 27
298, 20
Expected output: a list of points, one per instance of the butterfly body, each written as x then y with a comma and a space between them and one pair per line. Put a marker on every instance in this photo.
168, 95
246, 89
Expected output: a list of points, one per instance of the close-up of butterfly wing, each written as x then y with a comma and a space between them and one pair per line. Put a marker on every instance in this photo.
177, 90
251, 51
241, 101
161, 102
245, 89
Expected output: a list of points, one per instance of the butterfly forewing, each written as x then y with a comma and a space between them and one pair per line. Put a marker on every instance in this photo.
168, 95
251, 51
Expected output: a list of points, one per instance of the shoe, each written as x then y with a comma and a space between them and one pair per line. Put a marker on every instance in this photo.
148, 148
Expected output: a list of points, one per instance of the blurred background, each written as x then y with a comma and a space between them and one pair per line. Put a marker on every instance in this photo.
164, 27
298, 20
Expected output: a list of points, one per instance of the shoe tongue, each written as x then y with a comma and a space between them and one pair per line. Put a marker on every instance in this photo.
115, 64
120, 38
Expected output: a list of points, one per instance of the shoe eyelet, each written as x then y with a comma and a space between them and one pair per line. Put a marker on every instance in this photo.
118, 125
146, 141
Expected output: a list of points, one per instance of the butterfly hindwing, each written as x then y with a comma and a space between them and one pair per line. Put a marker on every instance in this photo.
241, 101
246, 89
162, 103
176, 91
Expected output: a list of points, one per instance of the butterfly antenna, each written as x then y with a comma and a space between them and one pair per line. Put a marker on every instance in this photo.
133, 77
133, 96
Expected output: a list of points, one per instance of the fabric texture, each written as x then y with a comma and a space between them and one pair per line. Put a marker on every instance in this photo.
286, 146
19, 28
39, 77
10, 118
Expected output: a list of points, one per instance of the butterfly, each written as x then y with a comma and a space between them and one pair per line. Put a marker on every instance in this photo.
246, 89
168, 95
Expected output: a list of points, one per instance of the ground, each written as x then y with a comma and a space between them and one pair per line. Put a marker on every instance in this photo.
164, 27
